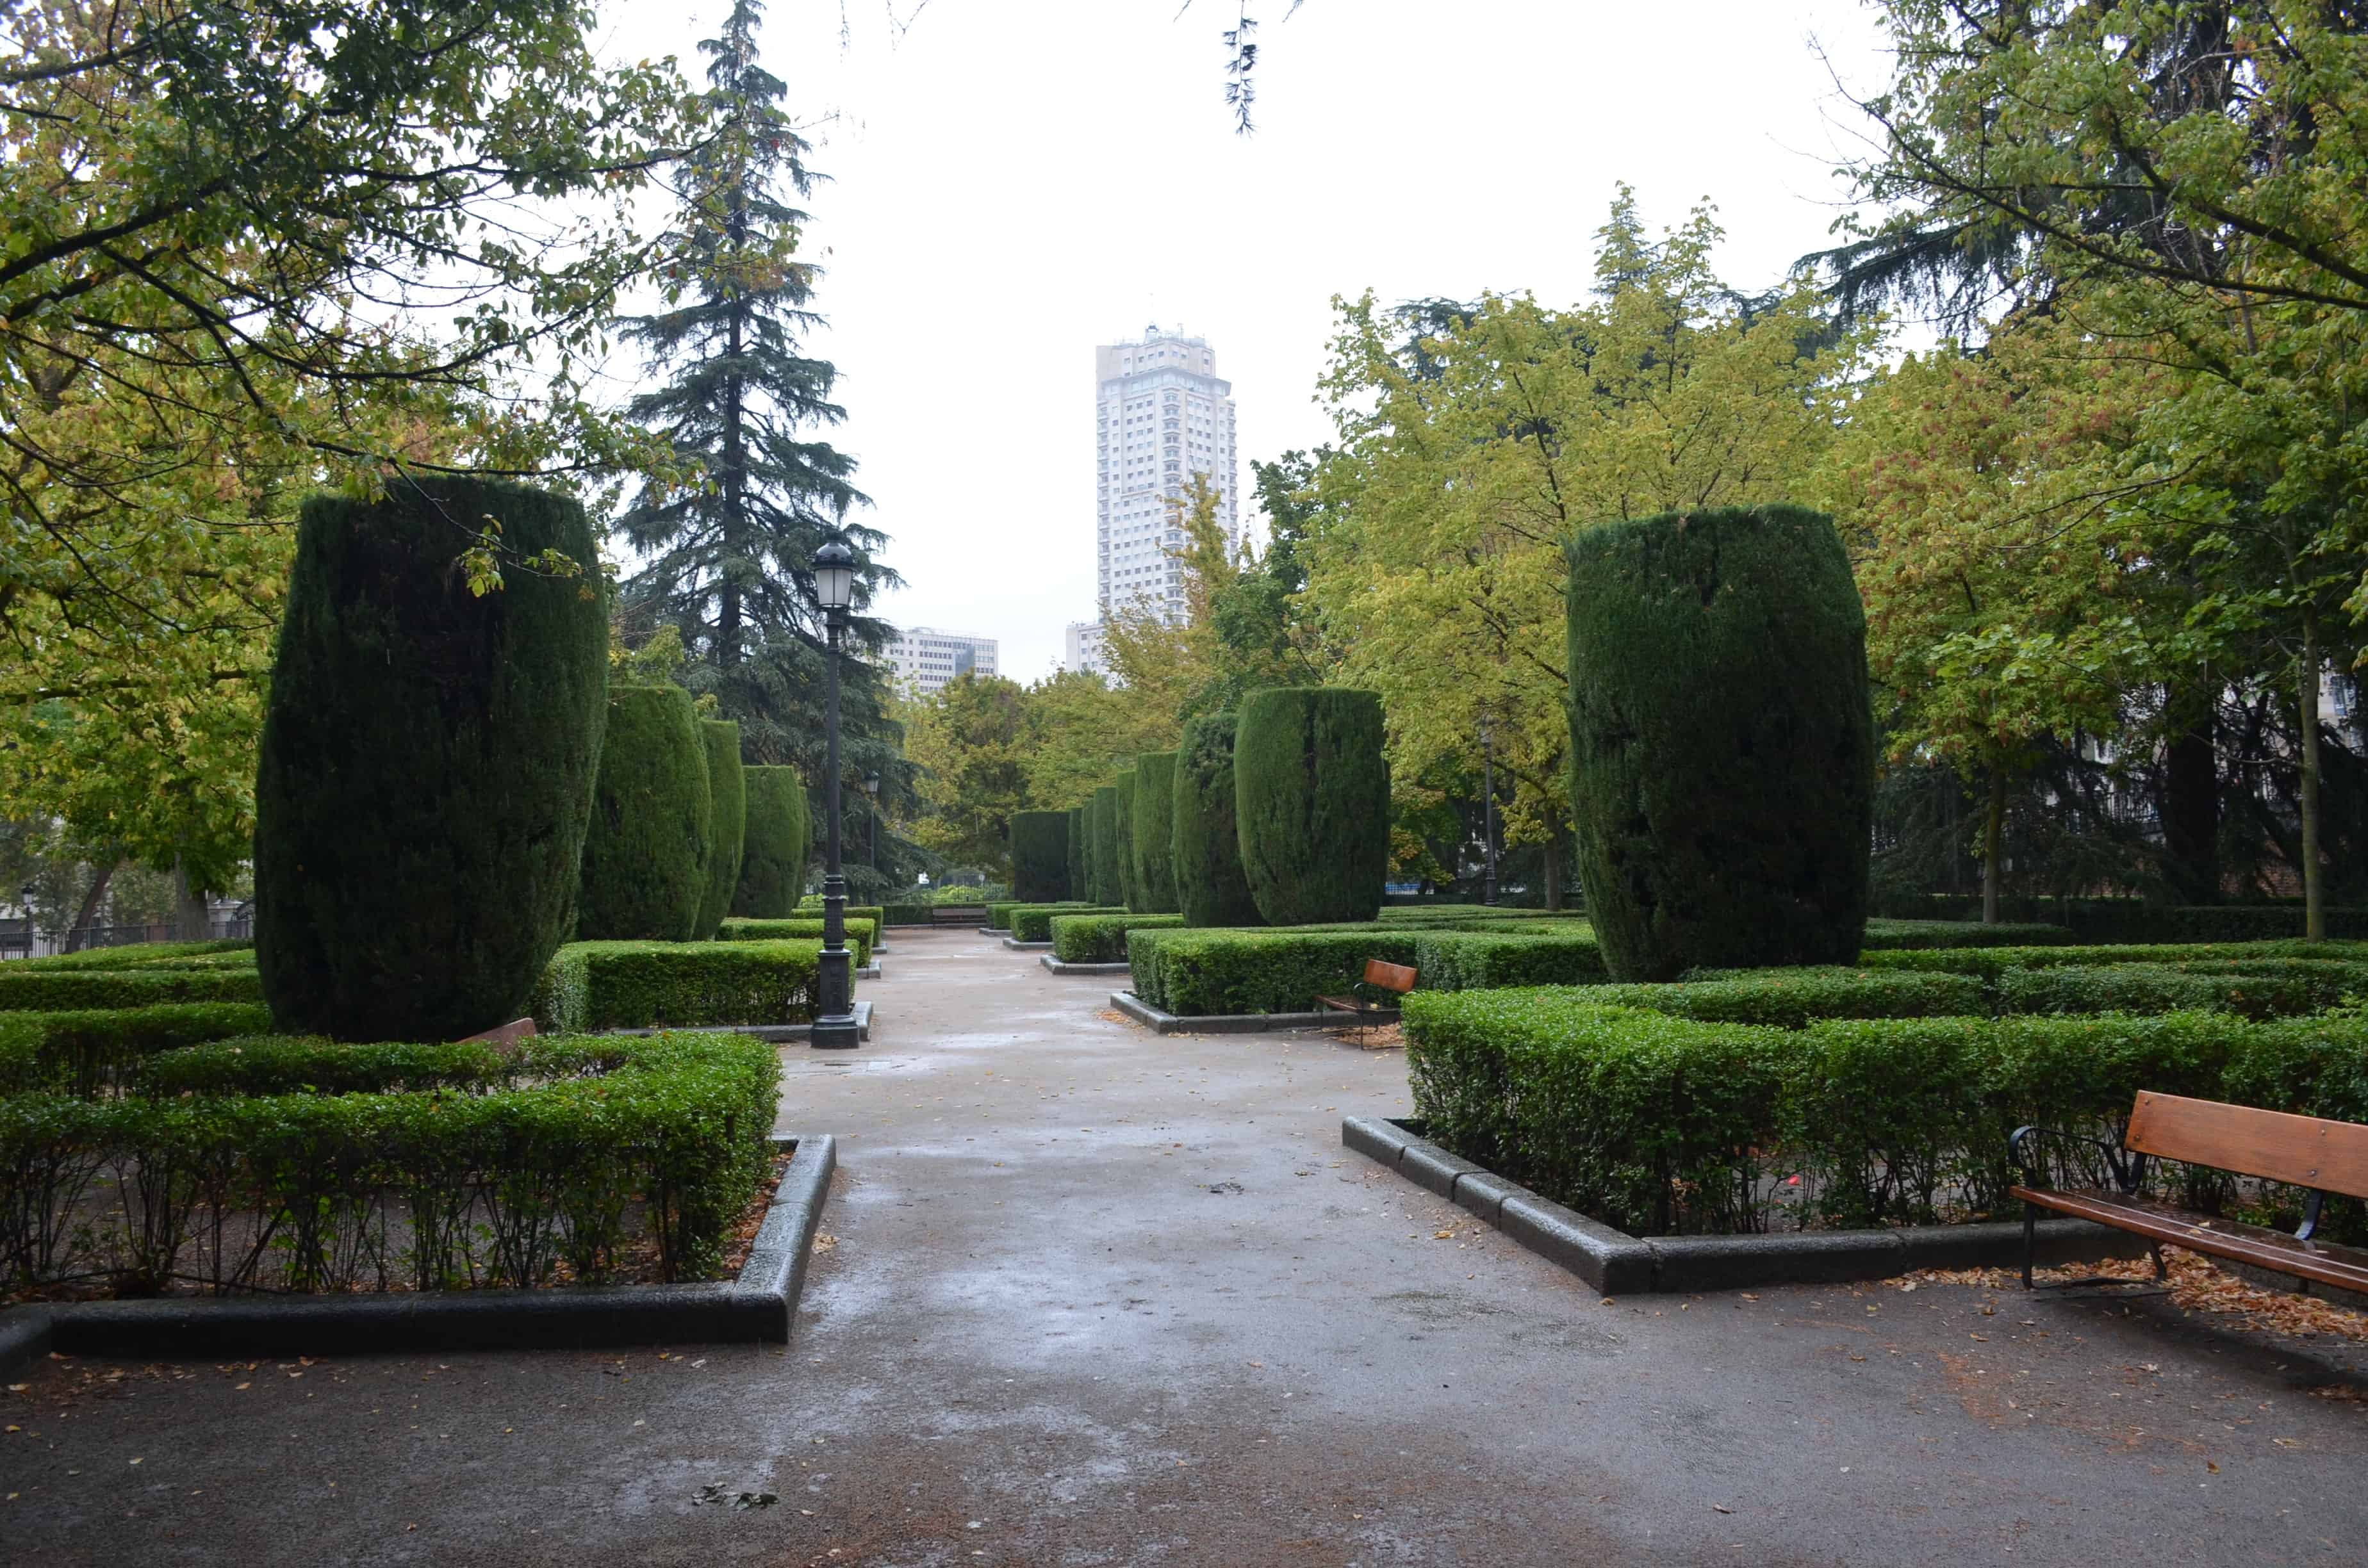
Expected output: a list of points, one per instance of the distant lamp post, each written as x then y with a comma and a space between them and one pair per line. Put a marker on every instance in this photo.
872, 792
833, 1026
1487, 813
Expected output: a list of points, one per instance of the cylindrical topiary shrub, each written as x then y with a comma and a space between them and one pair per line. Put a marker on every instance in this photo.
1206, 846
1311, 803
774, 847
1123, 814
1080, 885
645, 855
1154, 826
1040, 857
1722, 745
727, 788
1102, 820
426, 764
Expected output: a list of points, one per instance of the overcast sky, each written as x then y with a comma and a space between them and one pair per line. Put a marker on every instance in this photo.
1012, 183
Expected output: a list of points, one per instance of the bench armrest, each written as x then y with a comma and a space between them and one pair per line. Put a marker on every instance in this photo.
2128, 1169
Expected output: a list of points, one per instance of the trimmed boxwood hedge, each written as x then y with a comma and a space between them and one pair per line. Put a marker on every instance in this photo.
1661, 1124
1205, 848
775, 848
612, 986
1899, 934
1122, 844
1154, 815
862, 935
59, 990
645, 866
2134, 920
1100, 939
426, 761
727, 789
1040, 857
1202, 973
1101, 821
811, 909
1081, 885
84, 1053
1034, 922
237, 953
524, 1161
1994, 961
1722, 740
1311, 803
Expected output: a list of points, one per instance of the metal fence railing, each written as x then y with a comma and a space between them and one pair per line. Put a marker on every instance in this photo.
18, 938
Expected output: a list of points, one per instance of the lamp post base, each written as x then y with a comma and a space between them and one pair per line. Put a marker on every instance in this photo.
840, 1033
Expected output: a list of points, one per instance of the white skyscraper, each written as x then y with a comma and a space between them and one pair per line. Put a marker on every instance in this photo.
926, 658
1161, 417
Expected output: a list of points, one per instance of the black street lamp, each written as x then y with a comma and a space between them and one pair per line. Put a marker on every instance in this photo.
833, 1026
872, 793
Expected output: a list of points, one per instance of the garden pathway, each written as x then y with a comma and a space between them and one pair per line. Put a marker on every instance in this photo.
1095, 1297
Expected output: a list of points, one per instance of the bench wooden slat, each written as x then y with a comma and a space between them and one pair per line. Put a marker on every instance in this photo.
2302, 1149
2274, 1250
1396, 977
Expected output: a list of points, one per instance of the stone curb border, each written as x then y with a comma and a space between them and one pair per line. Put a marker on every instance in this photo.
777, 1034
1016, 945
758, 1306
1157, 1022
1617, 1264
1057, 967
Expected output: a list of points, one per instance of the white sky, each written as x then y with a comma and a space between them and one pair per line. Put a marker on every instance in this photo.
1015, 181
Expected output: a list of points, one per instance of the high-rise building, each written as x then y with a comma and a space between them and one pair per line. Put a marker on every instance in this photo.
1161, 415
926, 658
1084, 652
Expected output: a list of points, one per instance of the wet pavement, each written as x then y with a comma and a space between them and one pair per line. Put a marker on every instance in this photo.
1091, 1296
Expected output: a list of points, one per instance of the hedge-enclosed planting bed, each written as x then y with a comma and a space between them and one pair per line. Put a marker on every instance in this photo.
1100, 938
1034, 922
611, 986
861, 935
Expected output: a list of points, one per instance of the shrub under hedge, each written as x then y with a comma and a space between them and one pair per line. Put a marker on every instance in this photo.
775, 849
524, 1161
644, 869
862, 935
608, 985
1100, 939
1312, 802
1040, 857
82, 1052
1034, 922
1154, 831
426, 761
1206, 844
1722, 740
727, 790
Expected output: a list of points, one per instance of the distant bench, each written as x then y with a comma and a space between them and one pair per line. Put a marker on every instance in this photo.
2302, 1150
958, 915
1395, 978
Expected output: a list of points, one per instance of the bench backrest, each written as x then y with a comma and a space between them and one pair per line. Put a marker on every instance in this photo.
1396, 977
2302, 1149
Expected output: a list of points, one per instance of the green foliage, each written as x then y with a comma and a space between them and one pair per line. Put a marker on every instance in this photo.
1206, 972
1100, 939
519, 1162
1897, 933
1206, 846
1074, 850
727, 790
61, 990
1102, 824
811, 909
427, 760
1991, 962
645, 866
1153, 830
82, 1053
632, 985
777, 842
1040, 857
233, 954
1311, 803
1723, 748
862, 935
1122, 844
1033, 922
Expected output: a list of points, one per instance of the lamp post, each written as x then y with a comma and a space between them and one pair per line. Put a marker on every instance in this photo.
872, 793
1488, 812
833, 1026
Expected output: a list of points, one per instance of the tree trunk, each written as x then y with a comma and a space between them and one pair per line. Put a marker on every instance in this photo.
1551, 853
2313, 893
192, 915
1993, 836
78, 934
2190, 792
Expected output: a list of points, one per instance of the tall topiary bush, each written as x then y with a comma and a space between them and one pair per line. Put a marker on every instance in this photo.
1155, 826
426, 764
1039, 856
727, 788
1080, 885
1206, 846
1124, 841
774, 849
645, 856
1311, 803
1721, 747
1102, 818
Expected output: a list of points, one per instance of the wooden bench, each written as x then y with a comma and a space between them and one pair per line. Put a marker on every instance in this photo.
1395, 978
958, 915
2303, 1151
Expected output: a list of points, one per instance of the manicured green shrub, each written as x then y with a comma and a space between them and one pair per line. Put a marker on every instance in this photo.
645, 857
1794, 998
1154, 831
1480, 961
56, 990
2097, 920
906, 914
1722, 744
862, 935
1034, 922
775, 847
998, 913
532, 1160
1102, 820
80, 1053
1100, 939
1205, 848
237, 953
1081, 885
1991, 962
1040, 857
613, 986
2283, 991
1897, 933
727, 790
1311, 803
1123, 840
1203, 974
426, 764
